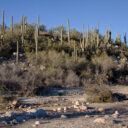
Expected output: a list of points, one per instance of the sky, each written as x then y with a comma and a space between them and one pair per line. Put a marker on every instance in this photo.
55, 12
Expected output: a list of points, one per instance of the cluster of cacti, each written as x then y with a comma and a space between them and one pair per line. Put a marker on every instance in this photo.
92, 40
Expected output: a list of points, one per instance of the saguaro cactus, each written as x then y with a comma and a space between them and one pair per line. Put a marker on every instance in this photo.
109, 34
75, 53
87, 35
11, 27
38, 25
17, 53
61, 34
36, 40
22, 29
3, 25
83, 38
68, 32
25, 23
98, 40
125, 40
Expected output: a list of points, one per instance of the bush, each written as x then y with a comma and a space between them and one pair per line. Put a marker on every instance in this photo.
98, 94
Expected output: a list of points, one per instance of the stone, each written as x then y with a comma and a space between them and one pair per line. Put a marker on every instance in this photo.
54, 110
106, 116
63, 116
37, 122
83, 108
75, 107
87, 116
99, 120
38, 113
59, 109
101, 109
77, 103
4, 122
10, 114
14, 121
65, 109
116, 114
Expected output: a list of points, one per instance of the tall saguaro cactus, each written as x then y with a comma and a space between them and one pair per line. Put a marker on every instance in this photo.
68, 31
87, 35
17, 53
36, 40
61, 34
38, 25
25, 23
75, 53
109, 34
3, 25
11, 27
98, 39
125, 40
22, 29
83, 43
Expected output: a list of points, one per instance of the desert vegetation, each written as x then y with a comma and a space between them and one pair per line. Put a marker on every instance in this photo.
33, 58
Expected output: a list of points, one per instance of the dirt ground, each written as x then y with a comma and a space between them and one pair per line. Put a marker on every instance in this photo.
75, 119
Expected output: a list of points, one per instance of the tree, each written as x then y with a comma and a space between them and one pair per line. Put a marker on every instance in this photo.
42, 28
75, 34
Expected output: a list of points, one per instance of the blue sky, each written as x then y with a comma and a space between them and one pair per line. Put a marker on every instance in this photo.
55, 12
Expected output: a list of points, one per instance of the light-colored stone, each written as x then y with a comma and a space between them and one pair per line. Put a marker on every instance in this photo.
83, 108
65, 109
77, 103
99, 120
101, 109
59, 109
37, 122
63, 116
116, 114
87, 116
75, 107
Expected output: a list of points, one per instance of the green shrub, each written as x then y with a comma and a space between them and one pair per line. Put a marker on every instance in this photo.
98, 94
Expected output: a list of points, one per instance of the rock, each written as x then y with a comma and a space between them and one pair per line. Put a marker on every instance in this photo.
99, 120
116, 114
37, 123
59, 109
10, 114
14, 121
77, 103
106, 116
75, 107
54, 110
87, 116
63, 116
83, 108
87, 103
65, 109
4, 122
38, 113
101, 109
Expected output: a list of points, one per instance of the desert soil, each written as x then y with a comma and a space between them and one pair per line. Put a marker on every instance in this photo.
75, 119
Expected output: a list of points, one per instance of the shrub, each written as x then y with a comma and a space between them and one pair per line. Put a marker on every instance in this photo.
97, 93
